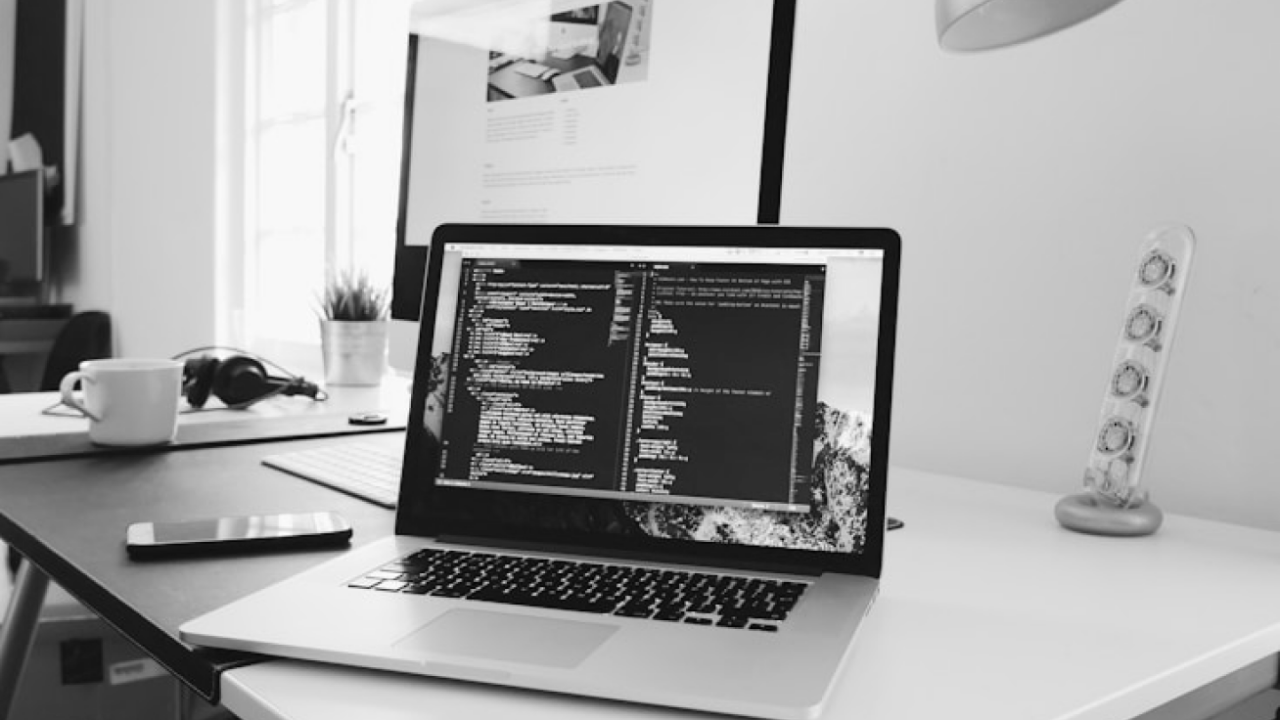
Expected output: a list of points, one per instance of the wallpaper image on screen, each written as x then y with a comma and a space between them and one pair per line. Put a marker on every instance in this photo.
836, 521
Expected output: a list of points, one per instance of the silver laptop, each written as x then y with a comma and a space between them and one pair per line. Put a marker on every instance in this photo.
612, 41
642, 463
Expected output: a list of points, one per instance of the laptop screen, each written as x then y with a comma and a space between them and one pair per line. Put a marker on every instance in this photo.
650, 387
613, 38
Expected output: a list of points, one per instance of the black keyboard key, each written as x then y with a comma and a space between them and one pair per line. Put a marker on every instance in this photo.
635, 611
703, 606
544, 601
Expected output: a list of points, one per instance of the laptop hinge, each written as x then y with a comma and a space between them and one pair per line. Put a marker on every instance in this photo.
709, 564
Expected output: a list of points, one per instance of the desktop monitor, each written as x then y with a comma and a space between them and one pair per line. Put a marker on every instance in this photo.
686, 127
21, 235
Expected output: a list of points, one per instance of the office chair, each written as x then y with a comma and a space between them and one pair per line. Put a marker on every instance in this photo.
86, 336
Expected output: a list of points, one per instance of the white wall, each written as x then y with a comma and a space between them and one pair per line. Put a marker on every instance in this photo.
1022, 182
146, 250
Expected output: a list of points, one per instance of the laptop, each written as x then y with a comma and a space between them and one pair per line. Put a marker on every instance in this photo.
612, 41
643, 463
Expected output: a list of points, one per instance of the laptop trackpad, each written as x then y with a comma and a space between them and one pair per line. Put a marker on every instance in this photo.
509, 637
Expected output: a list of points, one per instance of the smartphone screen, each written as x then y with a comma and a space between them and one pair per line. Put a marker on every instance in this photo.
237, 533
248, 527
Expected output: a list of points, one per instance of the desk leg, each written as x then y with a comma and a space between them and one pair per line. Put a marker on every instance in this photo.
19, 630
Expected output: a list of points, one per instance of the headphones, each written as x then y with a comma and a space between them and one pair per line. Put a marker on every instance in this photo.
239, 380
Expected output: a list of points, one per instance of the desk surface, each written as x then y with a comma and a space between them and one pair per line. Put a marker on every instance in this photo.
69, 512
27, 432
988, 609
513, 84
986, 602
69, 517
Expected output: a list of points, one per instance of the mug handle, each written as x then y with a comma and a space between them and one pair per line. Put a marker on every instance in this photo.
67, 386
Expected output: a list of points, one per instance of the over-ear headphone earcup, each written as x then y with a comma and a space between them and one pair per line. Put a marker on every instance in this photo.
197, 379
241, 380
238, 381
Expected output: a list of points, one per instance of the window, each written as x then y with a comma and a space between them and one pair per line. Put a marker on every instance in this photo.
323, 107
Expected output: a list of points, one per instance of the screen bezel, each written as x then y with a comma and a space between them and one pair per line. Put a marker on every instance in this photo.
424, 507
411, 260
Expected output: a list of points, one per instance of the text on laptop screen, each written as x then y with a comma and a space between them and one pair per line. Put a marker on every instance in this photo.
715, 393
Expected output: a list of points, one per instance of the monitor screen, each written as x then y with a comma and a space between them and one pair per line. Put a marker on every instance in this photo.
608, 112
21, 234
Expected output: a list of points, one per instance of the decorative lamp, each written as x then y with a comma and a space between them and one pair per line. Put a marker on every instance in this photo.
1114, 500
986, 24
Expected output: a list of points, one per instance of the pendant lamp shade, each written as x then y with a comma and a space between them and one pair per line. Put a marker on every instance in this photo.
985, 24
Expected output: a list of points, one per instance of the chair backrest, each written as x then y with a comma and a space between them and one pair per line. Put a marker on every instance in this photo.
86, 336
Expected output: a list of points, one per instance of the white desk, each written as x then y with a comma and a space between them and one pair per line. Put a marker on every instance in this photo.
988, 610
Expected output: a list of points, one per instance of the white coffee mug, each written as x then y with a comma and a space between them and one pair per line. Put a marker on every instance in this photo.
127, 401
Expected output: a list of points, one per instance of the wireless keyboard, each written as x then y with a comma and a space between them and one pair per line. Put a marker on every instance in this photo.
367, 471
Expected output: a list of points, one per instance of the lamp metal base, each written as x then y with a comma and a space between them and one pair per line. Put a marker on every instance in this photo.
1087, 513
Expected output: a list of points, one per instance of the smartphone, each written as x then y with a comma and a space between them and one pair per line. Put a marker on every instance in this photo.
247, 533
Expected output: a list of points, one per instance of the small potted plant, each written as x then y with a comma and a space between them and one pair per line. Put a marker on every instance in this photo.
353, 329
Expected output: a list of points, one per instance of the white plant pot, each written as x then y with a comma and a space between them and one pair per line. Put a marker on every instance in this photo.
355, 351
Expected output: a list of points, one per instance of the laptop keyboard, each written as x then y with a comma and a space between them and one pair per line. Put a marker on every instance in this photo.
668, 595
